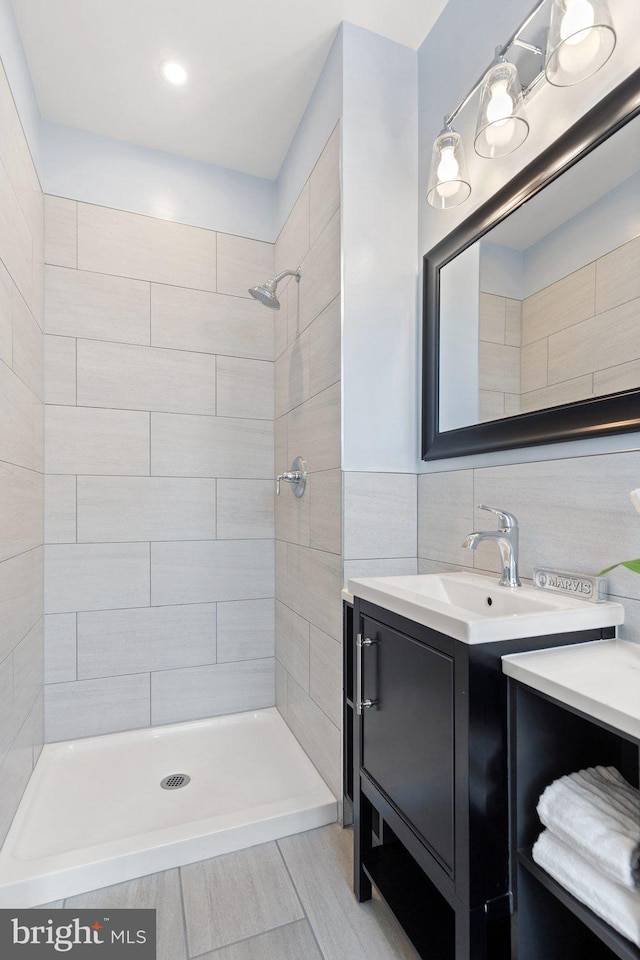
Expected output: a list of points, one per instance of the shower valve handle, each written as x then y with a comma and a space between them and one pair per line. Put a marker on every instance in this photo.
297, 477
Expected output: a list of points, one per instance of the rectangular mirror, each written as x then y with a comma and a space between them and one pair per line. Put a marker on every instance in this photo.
532, 306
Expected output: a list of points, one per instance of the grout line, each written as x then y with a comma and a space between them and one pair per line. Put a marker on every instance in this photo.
171, 413
254, 936
184, 913
299, 896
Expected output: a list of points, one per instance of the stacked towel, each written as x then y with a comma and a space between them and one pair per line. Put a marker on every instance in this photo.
597, 812
592, 843
616, 905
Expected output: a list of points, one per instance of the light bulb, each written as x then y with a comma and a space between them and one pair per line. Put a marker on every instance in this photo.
577, 21
447, 172
173, 72
500, 107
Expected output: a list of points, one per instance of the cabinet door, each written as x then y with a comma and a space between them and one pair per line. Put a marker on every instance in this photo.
407, 736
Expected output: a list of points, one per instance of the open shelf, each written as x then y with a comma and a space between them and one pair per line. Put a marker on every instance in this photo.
619, 945
427, 918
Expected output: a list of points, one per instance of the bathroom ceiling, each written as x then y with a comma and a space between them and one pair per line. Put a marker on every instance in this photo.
252, 66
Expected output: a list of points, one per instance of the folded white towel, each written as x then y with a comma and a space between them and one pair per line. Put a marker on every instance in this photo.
597, 813
616, 905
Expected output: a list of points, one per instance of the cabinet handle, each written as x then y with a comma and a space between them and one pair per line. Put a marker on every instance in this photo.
360, 703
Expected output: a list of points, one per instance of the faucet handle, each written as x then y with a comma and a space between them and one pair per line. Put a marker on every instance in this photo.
507, 520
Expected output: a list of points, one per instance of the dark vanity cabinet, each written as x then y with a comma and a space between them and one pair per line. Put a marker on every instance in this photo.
428, 779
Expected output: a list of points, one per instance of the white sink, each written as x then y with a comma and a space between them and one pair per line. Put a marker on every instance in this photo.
475, 609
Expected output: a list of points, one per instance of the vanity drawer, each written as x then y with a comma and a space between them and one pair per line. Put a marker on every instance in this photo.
408, 734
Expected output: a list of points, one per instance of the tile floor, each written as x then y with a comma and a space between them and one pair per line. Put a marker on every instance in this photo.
286, 900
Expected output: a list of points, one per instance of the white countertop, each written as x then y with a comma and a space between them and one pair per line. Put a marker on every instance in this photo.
601, 679
346, 595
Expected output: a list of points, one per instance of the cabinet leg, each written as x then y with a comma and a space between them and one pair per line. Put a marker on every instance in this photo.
362, 844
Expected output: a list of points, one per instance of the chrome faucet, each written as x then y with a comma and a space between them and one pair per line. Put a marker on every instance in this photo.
506, 538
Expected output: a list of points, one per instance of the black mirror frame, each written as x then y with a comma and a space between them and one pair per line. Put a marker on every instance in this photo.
595, 417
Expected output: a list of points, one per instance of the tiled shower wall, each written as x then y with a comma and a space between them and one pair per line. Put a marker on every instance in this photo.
499, 356
159, 526
309, 529
21, 466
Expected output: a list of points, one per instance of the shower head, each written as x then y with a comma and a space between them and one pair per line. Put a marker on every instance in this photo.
265, 293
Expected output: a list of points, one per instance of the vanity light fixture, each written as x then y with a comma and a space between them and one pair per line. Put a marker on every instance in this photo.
448, 181
502, 125
581, 38
173, 72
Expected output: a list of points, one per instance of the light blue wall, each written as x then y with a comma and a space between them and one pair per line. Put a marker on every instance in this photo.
111, 173
379, 237
15, 65
320, 117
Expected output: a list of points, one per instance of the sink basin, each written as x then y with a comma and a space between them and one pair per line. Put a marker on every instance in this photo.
475, 609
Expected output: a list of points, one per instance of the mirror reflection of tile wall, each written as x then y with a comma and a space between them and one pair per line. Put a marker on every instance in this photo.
576, 338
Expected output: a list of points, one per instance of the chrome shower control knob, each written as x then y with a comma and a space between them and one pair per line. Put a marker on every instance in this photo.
297, 477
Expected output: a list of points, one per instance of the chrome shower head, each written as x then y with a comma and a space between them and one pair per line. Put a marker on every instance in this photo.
265, 293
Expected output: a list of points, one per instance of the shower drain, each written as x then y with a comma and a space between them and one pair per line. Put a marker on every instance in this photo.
175, 781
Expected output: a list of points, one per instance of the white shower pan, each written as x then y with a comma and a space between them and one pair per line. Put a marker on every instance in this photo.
94, 813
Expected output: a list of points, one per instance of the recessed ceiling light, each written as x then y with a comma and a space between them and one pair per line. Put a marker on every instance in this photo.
173, 72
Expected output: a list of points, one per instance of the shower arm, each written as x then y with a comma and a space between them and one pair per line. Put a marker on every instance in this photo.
288, 273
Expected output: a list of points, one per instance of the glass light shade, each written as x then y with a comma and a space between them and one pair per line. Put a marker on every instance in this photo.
581, 40
502, 124
448, 177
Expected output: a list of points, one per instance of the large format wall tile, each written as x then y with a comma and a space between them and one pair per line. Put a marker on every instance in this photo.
210, 323
145, 508
245, 388
27, 346
97, 306
242, 263
320, 270
560, 305
314, 430
89, 708
61, 652
245, 509
318, 736
129, 377
292, 643
446, 515
324, 186
380, 515
89, 441
130, 245
21, 591
96, 576
194, 692
293, 243
17, 439
200, 572
6, 321
60, 370
325, 674
192, 446
618, 277
113, 642
245, 629
325, 348
21, 510
60, 231
599, 342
